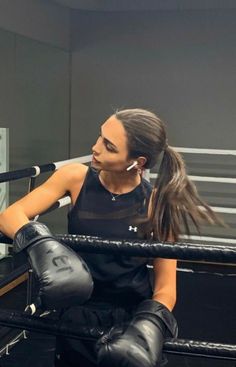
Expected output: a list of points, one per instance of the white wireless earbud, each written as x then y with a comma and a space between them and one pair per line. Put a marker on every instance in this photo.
132, 166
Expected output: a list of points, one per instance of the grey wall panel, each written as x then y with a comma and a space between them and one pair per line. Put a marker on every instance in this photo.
180, 64
7, 77
34, 95
42, 120
42, 90
41, 20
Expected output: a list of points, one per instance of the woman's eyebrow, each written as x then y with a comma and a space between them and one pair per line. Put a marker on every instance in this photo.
108, 141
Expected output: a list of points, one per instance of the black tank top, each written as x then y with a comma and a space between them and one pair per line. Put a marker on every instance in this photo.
117, 278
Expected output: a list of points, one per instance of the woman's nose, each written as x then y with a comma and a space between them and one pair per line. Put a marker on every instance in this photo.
95, 148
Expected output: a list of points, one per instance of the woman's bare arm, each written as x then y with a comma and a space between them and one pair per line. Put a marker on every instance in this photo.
165, 281
68, 178
164, 288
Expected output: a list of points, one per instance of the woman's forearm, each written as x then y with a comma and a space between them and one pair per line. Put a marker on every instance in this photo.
11, 220
166, 298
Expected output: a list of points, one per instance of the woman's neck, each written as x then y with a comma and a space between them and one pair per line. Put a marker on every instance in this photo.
119, 182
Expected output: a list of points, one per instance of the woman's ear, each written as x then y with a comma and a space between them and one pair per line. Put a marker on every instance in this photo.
141, 162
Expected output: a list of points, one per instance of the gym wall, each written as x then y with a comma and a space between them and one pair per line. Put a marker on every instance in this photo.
34, 86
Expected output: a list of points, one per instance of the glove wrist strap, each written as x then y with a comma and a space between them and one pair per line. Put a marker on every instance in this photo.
160, 311
28, 234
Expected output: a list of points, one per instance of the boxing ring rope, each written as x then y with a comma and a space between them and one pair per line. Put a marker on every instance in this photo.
140, 248
135, 248
206, 151
218, 253
35, 171
172, 346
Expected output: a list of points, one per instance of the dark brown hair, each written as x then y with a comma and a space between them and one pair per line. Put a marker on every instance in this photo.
175, 199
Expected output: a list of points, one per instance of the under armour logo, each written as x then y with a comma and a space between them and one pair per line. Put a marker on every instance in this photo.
134, 229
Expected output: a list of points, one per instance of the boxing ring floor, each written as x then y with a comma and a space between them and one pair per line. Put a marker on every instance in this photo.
205, 310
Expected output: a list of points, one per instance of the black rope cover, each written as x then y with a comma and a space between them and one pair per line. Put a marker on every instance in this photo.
219, 253
54, 326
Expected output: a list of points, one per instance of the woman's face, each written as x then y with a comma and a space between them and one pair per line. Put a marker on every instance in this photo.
110, 150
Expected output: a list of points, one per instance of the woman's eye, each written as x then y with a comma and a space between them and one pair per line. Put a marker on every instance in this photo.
109, 147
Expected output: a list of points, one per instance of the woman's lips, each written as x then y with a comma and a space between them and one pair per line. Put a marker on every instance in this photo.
95, 160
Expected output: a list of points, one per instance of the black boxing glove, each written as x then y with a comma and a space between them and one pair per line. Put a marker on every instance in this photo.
140, 343
64, 278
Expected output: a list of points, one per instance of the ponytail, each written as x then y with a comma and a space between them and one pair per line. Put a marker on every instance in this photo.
175, 200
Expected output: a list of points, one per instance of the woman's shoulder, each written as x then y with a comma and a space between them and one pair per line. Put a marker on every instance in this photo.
72, 172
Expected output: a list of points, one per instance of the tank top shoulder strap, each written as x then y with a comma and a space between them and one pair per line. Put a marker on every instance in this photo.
91, 178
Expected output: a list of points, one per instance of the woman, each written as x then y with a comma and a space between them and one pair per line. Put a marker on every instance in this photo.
112, 199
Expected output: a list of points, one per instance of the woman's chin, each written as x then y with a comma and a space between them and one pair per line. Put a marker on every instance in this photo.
95, 164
